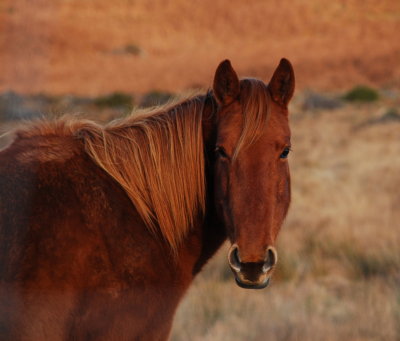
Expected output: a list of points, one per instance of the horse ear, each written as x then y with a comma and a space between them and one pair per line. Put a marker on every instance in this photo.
226, 83
281, 85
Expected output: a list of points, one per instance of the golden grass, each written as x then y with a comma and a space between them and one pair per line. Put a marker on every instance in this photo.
77, 46
338, 277
307, 310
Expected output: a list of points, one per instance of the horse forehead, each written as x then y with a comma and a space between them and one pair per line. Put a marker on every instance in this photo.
277, 128
230, 126
273, 138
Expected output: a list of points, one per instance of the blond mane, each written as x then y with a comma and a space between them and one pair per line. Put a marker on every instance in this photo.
255, 100
157, 156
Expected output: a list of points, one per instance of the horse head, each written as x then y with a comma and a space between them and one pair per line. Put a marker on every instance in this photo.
251, 171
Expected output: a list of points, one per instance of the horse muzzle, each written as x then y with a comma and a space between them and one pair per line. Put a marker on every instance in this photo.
252, 275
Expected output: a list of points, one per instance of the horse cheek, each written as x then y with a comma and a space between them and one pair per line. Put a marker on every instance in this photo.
221, 185
283, 197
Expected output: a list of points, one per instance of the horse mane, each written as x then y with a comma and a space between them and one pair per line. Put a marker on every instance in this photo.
157, 155
255, 99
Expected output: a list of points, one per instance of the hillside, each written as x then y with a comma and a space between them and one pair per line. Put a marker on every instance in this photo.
96, 47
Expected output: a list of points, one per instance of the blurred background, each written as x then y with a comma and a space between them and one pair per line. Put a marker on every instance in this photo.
338, 275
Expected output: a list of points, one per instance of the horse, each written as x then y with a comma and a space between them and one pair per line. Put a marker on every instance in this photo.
103, 227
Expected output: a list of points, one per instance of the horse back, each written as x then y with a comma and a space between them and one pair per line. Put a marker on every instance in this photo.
65, 231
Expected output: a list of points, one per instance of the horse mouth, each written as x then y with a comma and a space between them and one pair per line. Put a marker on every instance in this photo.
250, 285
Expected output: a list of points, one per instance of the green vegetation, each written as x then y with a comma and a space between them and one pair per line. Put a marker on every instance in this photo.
133, 49
361, 93
392, 114
116, 99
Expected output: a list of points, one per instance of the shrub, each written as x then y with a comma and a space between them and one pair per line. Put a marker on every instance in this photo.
361, 93
363, 263
116, 99
367, 265
392, 114
133, 49
314, 100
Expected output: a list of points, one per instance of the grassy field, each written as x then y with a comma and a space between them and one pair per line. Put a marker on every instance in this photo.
338, 277
96, 47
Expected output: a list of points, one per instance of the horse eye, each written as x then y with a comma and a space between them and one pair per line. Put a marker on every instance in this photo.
285, 153
220, 151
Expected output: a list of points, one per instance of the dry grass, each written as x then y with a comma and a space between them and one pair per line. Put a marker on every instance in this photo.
339, 272
303, 310
80, 47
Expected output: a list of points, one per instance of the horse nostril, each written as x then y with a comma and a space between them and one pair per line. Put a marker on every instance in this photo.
233, 258
271, 258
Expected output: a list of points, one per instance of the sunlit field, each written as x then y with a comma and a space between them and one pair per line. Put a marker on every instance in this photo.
96, 47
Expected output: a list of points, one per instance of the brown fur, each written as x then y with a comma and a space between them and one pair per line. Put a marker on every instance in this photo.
103, 228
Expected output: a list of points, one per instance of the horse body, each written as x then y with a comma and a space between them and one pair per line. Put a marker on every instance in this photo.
78, 259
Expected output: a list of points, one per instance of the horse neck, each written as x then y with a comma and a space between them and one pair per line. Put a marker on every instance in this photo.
212, 233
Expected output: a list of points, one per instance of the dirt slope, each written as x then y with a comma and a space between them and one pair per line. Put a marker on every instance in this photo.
98, 46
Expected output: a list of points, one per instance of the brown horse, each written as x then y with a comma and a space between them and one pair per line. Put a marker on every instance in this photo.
103, 228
